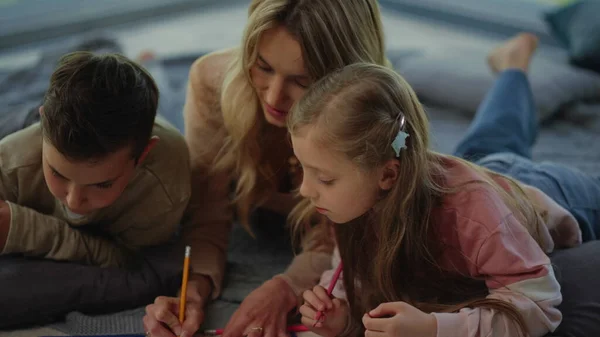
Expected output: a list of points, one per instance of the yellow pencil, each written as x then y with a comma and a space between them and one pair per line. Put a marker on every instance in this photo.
184, 281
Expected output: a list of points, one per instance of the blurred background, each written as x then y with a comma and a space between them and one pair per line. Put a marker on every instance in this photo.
170, 27
439, 46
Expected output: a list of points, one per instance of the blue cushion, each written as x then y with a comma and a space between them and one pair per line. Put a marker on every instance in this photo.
577, 26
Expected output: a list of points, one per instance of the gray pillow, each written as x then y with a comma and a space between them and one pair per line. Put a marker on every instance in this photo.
459, 79
35, 291
578, 272
578, 28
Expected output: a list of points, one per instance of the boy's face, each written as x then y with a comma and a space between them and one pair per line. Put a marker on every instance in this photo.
86, 186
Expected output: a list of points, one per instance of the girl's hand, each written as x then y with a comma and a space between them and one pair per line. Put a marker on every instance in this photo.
335, 312
396, 319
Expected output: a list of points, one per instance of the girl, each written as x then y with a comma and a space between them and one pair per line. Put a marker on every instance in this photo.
432, 245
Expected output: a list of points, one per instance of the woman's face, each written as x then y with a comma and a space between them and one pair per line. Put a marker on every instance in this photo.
279, 75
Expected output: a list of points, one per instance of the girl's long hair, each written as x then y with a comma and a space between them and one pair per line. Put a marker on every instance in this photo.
392, 253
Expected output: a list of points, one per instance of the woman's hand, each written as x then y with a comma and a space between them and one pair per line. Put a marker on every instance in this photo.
395, 319
335, 312
162, 317
263, 312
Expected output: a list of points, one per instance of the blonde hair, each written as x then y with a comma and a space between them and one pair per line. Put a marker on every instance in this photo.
331, 33
391, 252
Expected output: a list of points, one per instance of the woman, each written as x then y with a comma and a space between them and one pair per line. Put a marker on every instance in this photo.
235, 111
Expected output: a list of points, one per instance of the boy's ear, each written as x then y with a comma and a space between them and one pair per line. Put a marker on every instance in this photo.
41, 110
151, 143
389, 174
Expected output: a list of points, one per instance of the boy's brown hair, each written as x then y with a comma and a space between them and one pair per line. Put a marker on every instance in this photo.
97, 105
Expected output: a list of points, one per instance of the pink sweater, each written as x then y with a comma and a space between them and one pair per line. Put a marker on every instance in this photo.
485, 240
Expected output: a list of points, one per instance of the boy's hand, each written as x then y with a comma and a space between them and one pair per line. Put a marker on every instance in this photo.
395, 319
162, 317
335, 312
4, 223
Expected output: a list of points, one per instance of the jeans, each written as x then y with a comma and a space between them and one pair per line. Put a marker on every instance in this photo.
501, 137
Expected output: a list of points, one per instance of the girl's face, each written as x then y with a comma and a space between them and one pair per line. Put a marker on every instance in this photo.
336, 186
278, 74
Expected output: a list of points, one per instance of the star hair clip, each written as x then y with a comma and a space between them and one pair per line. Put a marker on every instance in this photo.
399, 142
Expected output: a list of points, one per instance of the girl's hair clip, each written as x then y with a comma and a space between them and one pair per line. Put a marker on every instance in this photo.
399, 142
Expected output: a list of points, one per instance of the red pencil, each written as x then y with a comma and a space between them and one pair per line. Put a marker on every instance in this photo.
334, 280
291, 328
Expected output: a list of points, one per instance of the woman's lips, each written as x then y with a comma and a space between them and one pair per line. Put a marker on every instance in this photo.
277, 114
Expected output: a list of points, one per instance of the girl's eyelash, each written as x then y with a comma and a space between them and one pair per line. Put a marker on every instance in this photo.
326, 182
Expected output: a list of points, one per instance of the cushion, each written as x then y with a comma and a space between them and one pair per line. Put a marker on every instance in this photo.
578, 28
578, 272
36, 291
459, 79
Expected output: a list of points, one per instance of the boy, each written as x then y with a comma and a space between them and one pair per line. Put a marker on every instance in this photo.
98, 177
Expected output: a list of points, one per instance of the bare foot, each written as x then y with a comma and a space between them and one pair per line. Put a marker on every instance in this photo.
515, 53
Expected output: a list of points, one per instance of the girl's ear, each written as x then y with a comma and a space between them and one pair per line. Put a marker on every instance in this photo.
389, 174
